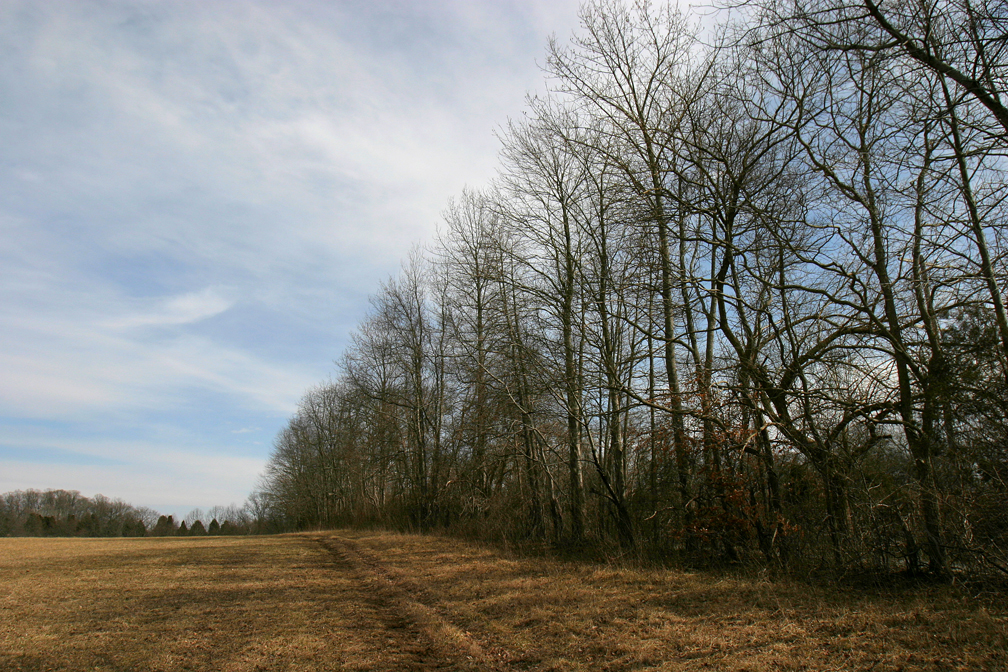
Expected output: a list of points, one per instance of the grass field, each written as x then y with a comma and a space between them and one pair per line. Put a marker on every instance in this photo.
369, 601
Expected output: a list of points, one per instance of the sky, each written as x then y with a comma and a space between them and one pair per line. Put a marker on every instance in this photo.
196, 201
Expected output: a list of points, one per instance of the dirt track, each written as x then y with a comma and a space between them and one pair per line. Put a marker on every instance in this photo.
415, 636
363, 601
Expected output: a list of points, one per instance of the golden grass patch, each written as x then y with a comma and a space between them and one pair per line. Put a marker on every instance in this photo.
380, 601
210, 603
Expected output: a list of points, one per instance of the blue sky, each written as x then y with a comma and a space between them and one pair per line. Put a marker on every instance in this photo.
196, 200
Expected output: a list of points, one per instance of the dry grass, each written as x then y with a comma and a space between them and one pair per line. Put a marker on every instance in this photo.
541, 614
384, 602
210, 603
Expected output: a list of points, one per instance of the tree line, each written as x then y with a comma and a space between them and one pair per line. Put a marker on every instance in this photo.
735, 295
251, 518
67, 513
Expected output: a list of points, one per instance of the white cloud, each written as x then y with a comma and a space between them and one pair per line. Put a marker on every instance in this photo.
246, 430
176, 310
91, 358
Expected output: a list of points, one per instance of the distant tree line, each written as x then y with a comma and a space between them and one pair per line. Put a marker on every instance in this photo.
236, 520
167, 527
67, 513
736, 295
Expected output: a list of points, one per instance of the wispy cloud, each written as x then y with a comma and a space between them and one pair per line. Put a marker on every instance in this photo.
246, 430
175, 310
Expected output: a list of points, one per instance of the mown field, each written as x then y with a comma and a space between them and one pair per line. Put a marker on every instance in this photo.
369, 601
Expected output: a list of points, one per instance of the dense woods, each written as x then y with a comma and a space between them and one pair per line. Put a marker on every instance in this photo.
734, 296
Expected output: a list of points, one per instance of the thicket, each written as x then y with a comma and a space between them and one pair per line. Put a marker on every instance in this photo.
734, 296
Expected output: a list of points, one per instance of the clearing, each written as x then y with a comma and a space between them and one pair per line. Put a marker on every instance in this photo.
382, 601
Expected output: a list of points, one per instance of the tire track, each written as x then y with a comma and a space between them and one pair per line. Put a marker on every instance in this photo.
429, 640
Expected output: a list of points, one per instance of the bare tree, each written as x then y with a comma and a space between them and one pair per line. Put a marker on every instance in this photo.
544, 180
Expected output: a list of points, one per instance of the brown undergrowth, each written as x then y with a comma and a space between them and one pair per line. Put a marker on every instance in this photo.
381, 601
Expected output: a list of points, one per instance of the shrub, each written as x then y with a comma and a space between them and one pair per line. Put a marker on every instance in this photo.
165, 527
